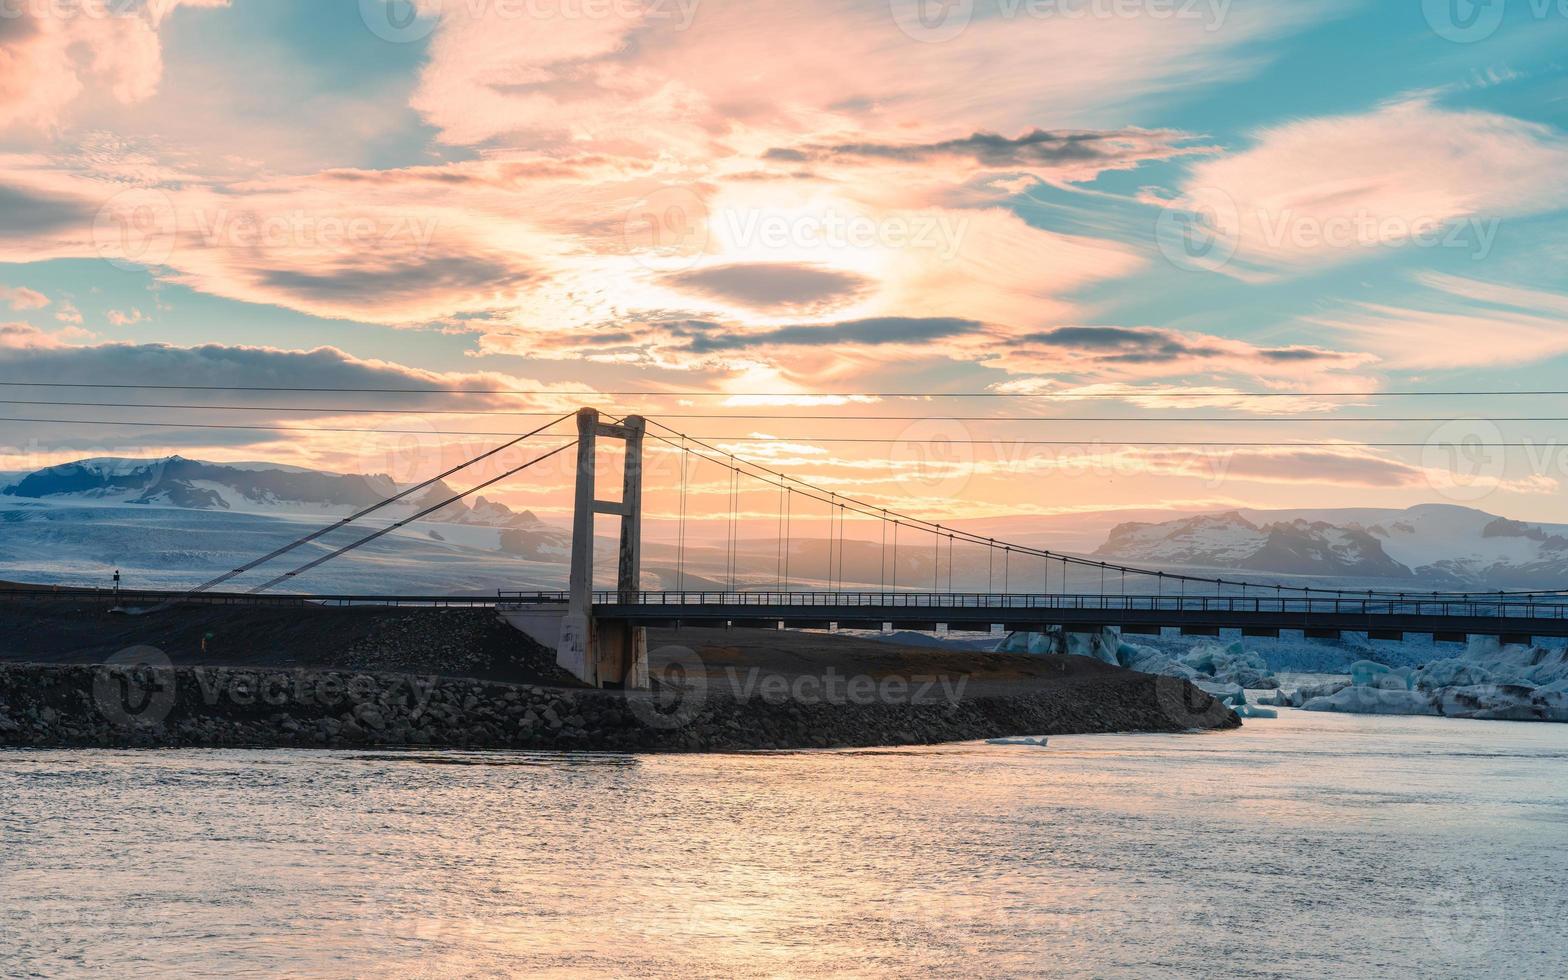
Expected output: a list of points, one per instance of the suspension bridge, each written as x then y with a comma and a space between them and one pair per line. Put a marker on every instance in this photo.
928, 572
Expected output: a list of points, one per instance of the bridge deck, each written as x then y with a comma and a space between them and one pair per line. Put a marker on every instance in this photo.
1392, 616
1502, 616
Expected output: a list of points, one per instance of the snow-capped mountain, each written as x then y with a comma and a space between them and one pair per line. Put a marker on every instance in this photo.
175, 522
1436, 545
250, 488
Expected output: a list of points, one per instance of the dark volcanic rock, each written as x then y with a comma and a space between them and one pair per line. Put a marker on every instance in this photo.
140, 706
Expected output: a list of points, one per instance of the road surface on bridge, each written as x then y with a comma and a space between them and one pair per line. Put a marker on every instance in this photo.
1382, 616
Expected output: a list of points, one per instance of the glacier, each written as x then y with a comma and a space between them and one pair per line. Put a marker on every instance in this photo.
1489, 681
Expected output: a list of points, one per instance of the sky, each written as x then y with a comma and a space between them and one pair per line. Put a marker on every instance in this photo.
1115, 220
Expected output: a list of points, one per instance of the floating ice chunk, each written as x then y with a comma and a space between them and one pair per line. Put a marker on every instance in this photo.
1368, 673
1374, 701
1453, 673
1503, 702
1238, 704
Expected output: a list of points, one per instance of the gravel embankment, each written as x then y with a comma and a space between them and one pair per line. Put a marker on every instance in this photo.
145, 706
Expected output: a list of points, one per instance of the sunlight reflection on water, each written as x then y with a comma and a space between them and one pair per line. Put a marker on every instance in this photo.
1315, 844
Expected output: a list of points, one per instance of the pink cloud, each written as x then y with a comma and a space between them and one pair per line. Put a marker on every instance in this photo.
52, 55
1407, 175
22, 298
685, 80
25, 336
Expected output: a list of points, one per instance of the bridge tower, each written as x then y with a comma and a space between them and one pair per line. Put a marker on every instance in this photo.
605, 652
602, 652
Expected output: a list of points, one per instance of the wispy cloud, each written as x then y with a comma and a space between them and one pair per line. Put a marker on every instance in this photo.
1457, 321
1408, 175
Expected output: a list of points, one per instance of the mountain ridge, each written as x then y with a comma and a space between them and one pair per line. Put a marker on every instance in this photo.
262, 488
1444, 545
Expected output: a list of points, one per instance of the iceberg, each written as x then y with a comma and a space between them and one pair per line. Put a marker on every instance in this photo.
1489, 681
1363, 700
1214, 667
1238, 704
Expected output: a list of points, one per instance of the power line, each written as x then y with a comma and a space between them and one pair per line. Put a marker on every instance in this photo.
765, 440
296, 430
758, 417
691, 393
323, 409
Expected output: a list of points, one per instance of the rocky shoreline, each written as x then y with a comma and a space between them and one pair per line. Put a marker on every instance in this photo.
150, 704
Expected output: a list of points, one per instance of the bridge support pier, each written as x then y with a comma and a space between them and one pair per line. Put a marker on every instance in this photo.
605, 653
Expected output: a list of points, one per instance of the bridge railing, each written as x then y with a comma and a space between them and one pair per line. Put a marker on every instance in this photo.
1503, 608
148, 597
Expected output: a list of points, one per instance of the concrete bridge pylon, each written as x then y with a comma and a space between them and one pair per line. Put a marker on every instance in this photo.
600, 651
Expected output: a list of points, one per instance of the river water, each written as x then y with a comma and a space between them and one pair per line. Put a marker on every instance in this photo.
1316, 844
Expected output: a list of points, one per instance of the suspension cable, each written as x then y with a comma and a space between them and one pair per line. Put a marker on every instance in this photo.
680, 546
729, 544
895, 555
832, 535
778, 560
789, 498
321, 532
409, 520
862, 507
882, 579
